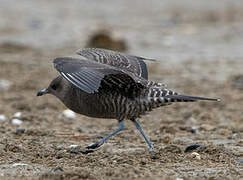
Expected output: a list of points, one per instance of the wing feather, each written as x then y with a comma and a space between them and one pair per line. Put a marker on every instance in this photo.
132, 64
88, 75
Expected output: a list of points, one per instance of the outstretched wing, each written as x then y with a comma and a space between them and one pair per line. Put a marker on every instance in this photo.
129, 63
87, 75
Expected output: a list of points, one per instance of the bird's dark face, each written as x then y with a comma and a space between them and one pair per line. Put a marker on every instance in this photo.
54, 87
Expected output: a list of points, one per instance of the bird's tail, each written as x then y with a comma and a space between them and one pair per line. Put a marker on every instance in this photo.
180, 97
158, 96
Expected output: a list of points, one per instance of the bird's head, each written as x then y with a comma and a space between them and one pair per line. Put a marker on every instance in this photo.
55, 87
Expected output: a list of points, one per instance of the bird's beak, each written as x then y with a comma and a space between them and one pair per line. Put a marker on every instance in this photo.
42, 92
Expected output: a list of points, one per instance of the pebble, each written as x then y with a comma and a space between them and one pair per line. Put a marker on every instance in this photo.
179, 179
68, 114
5, 84
194, 130
19, 131
2, 117
192, 147
73, 146
17, 115
196, 155
60, 147
75, 151
16, 122
19, 165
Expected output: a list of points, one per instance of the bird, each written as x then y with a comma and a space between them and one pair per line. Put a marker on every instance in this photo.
107, 84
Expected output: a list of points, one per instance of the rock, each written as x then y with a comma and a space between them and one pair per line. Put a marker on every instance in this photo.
74, 151
60, 147
19, 165
192, 147
16, 122
193, 130
196, 155
19, 131
5, 84
73, 146
68, 114
17, 115
2, 117
80, 130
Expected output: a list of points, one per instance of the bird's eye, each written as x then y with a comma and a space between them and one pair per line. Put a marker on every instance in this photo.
54, 86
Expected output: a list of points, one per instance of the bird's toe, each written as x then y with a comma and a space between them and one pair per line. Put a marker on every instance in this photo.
93, 146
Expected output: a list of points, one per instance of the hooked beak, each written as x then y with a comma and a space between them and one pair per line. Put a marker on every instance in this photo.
42, 92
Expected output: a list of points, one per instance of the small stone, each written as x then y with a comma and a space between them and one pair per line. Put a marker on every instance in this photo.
193, 130
19, 131
2, 117
60, 147
73, 146
80, 130
68, 114
192, 147
16, 122
196, 155
19, 165
5, 84
17, 115
179, 178
75, 152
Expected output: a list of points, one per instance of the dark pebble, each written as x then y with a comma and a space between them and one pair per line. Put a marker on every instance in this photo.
75, 151
193, 130
20, 131
192, 147
80, 130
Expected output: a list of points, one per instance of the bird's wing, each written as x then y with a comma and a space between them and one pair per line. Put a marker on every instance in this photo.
129, 63
87, 75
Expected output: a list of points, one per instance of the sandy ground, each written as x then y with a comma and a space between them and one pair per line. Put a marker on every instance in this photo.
40, 148
199, 52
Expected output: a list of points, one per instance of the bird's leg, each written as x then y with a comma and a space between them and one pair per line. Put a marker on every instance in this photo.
98, 144
151, 147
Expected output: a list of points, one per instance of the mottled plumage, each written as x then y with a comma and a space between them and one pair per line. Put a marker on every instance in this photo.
106, 84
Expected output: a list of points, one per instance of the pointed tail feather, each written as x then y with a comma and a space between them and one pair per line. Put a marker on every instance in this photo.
180, 97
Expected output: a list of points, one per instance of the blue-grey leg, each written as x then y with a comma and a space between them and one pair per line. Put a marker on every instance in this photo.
98, 144
151, 147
